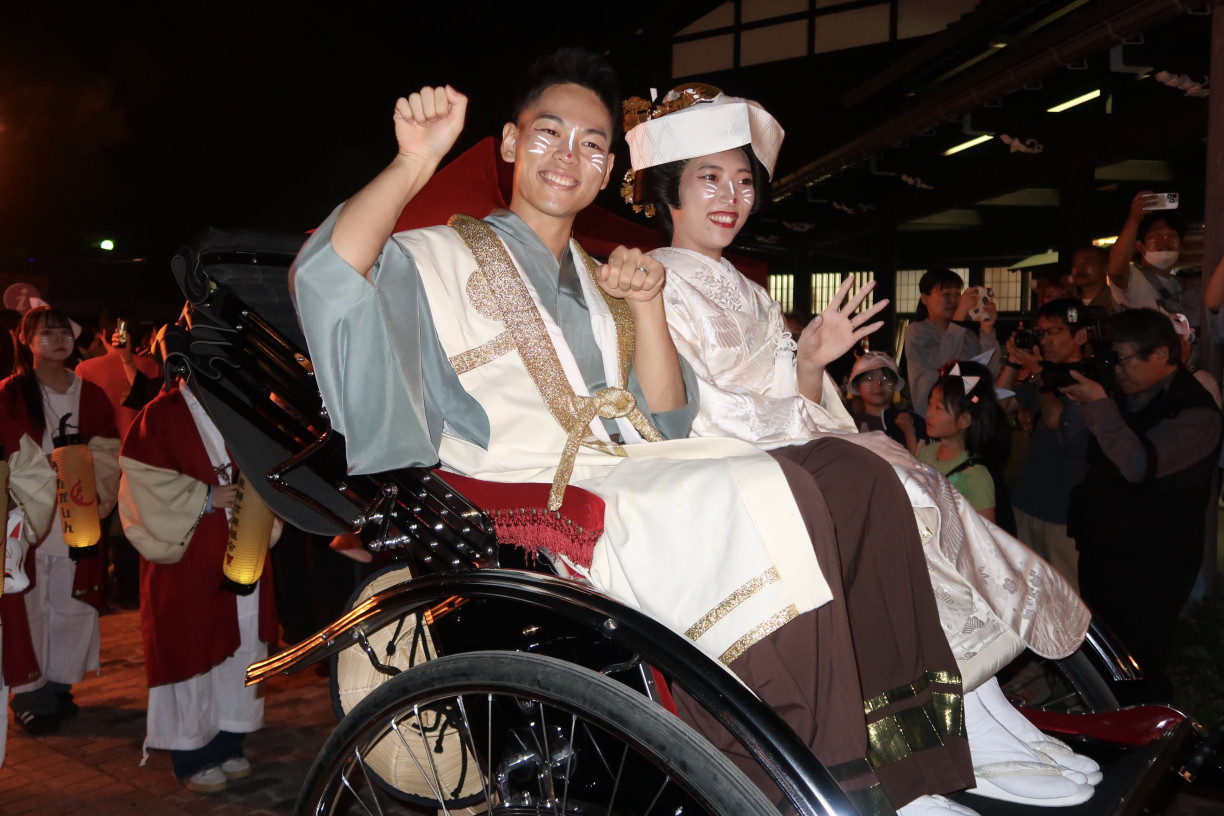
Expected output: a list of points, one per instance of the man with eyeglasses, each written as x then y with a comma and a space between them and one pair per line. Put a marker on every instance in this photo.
1137, 517
1043, 489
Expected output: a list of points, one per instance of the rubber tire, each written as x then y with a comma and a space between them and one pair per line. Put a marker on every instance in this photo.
690, 760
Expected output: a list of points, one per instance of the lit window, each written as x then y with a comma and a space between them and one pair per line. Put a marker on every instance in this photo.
782, 289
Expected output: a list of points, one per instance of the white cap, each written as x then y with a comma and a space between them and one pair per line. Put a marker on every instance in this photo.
705, 127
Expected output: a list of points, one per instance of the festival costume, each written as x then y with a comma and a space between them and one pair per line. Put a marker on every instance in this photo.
31, 487
60, 640
995, 596
198, 637
107, 372
518, 383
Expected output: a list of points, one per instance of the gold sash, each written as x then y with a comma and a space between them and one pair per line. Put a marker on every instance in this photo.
573, 412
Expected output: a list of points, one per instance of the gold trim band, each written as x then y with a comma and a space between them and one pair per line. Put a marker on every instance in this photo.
484, 353
767, 627
749, 588
910, 690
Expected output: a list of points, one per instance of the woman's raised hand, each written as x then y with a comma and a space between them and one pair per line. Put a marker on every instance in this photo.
837, 329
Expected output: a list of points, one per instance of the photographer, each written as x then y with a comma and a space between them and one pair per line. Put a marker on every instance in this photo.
1137, 517
942, 336
1054, 462
1151, 238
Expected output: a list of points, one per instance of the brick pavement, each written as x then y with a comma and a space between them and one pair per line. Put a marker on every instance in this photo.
92, 764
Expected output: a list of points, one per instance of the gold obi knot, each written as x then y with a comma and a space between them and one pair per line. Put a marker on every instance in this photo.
607, 403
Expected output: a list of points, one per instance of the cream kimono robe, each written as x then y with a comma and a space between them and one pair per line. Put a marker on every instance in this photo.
995, 595
725, 579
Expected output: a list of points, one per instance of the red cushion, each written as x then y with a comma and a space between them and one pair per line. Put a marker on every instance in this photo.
521, 516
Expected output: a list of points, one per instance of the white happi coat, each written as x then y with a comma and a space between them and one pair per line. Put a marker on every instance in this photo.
995, 595
702, 535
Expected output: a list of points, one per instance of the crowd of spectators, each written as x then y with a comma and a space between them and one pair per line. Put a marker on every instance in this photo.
1114, 472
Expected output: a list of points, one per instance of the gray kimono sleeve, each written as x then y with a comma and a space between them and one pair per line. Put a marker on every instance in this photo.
672, 424
384, 378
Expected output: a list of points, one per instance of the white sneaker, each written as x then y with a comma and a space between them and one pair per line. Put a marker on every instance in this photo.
935, 805
209, 780
1058, 751
236, 768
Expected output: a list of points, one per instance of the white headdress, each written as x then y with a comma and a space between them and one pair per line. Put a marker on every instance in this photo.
699, 120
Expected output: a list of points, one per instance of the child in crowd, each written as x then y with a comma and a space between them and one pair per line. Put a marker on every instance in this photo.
874, 379
969, 434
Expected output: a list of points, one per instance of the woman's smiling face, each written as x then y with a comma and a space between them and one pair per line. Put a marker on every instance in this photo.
716, 195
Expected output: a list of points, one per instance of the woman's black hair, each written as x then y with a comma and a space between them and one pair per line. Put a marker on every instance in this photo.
1147, 330
23, 363
572, 66
988, 436
932, 280
660, 185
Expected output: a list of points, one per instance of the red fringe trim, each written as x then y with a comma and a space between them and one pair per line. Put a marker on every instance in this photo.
532, 528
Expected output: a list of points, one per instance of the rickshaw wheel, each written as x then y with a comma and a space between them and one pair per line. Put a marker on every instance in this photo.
538, 735
1072, 684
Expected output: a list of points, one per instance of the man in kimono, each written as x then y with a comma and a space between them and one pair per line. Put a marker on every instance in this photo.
502, 349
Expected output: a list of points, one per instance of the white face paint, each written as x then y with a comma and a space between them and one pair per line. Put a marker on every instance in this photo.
561, 156
716, 196
572, 144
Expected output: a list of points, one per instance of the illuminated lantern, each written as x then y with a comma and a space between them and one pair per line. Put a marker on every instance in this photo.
75, 492
249, 532
4, 479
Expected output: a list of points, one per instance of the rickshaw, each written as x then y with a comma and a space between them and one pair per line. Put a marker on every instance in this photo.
495, 683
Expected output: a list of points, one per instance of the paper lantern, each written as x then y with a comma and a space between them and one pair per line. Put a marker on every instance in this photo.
4, 480
249, 532
75, 492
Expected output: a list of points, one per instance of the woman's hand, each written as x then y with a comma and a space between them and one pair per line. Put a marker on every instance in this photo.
223, 496
837, 329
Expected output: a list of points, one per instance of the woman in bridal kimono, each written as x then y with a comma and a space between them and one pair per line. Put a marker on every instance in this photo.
703, 171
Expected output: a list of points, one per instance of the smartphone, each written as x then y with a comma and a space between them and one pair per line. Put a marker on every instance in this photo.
1160, 201
985, 295
121, 330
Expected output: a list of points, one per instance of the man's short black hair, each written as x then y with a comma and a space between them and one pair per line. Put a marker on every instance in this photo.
660, 185
1147, 330
1170, 219
572, 66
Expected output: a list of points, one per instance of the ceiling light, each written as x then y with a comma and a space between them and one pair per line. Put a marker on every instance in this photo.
1071, 103
968, 144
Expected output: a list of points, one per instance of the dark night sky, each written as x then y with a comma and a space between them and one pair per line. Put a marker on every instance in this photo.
145, 123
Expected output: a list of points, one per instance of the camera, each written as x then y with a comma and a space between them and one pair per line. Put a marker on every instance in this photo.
1099, 368
1160, 201
984, 296
1026, 338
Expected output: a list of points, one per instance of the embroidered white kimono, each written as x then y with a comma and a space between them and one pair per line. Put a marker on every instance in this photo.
702, 535
995, 595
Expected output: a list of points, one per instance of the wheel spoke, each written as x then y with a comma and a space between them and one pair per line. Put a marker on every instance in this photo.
469, 744
528, 760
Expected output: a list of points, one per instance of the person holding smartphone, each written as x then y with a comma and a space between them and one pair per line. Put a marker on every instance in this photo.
1142, 260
